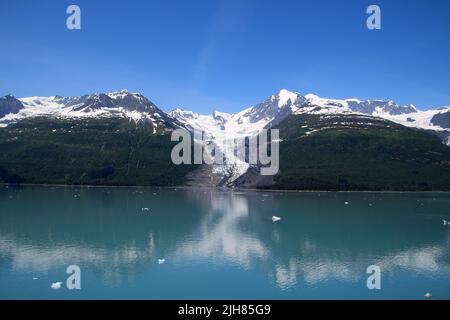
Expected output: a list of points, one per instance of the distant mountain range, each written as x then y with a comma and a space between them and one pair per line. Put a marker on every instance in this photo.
274, 109
329, 142
120, 104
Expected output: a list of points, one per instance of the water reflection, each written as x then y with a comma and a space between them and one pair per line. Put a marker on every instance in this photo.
220, 236
320, 240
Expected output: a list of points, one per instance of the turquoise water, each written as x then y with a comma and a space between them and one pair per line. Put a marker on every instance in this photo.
222, 245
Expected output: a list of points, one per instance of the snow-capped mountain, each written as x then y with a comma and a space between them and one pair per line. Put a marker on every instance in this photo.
247, 122
371, 107
223, 127
278, 106
407, 115
220, 127
115, 104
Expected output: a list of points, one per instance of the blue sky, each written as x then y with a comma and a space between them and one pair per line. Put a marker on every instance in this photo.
228, 54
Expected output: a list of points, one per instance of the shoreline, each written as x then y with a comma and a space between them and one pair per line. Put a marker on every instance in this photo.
216, 188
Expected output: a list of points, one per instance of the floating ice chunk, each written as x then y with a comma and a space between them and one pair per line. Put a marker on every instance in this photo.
428, 295
346, 202
161, 261
445, 222
145, 209
56, 285
275, 218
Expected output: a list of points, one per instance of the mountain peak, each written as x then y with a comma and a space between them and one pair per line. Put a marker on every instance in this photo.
217, 113
181, 113
9, 104
285, 96
120, 94
285, 91
122, 91
312, 96
8, 97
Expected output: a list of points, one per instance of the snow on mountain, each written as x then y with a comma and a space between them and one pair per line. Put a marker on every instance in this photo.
247, 122
224, 127
285, 97
447, 141
407, 115
221, 128
123, 104
271, 111
370, 107
422, 119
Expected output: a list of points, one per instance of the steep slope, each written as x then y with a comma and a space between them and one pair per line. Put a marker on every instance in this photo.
408, 115
88, 151
118, 138
9, 105
357, 152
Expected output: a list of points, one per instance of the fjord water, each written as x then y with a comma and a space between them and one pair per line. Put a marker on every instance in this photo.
222, 244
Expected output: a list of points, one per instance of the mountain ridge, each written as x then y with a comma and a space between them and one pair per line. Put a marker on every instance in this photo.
276, 111
137, 107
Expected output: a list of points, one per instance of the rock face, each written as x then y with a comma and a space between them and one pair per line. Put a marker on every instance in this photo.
9, 104
441, 120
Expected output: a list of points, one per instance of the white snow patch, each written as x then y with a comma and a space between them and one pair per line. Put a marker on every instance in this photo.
286, 96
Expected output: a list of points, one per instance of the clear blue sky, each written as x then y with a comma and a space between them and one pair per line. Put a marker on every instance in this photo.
228, 54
